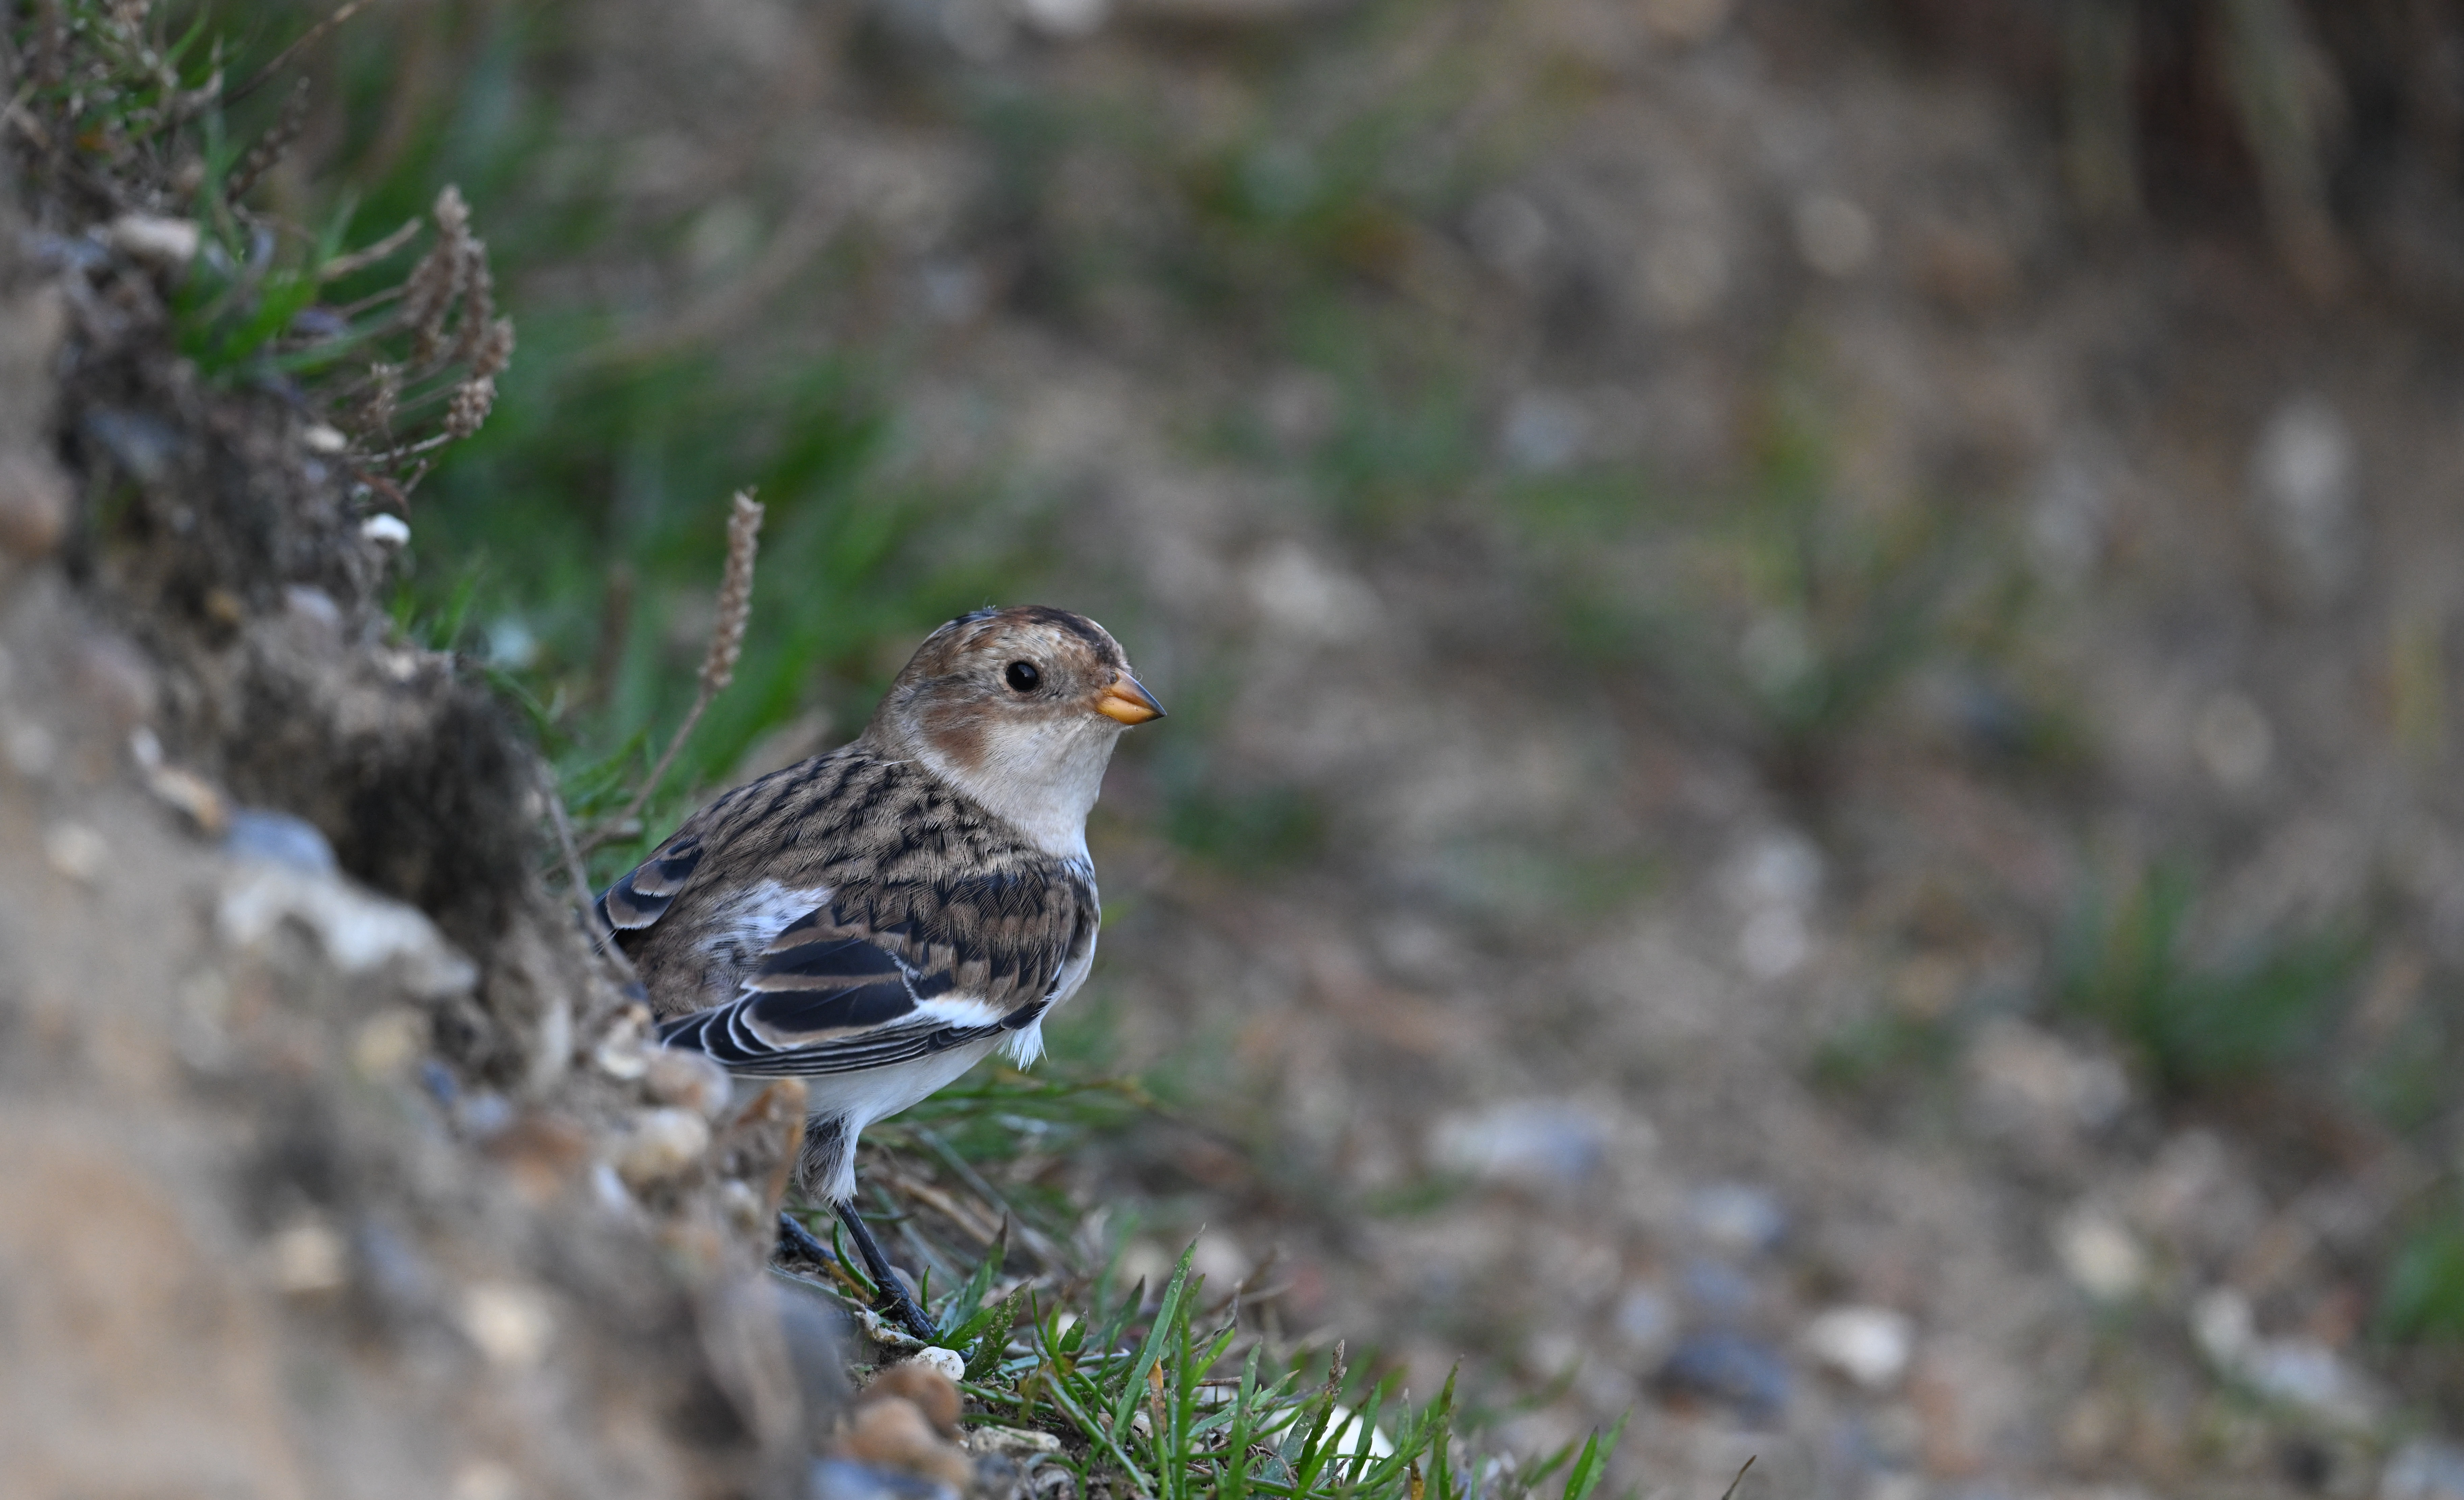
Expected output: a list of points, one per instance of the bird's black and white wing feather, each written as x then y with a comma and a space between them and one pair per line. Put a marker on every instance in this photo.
911, 923
826, 998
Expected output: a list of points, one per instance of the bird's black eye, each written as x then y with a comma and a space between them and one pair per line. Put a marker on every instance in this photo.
1021, 677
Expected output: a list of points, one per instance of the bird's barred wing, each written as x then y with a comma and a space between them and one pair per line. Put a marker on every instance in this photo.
840, 990
642, 895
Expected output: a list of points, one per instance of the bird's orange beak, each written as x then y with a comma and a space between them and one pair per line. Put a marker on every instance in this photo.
1128, 702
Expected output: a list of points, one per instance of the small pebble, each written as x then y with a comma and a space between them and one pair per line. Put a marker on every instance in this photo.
743, 1209
687, 1080
1737, 1216
625, 1052
845, 1479
277, 838
1731, 1369
1532, 1141
385, 1042
894, 1433
483, 1113
163, 243
1716, 1291
1020, 1442
1869, 1345
77, 852
511, 1325
188, 794
930, 1379
307, 1257
1349, 1434
662, 1144
2101, 1256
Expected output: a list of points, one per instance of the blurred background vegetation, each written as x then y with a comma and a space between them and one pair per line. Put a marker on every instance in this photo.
1936, 515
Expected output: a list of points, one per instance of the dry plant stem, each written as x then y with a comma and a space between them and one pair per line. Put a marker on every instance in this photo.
615, 624
600, 932
717, 664
358, 260
268, 153
1730, 1492
307, 38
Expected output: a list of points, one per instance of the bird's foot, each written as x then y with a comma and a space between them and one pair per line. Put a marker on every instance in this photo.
794, 1236
892, 1296
896, 1301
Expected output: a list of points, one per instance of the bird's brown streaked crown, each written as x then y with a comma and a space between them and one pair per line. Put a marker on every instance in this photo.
1030, 666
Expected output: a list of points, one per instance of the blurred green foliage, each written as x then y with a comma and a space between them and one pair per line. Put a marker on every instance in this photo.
2423, 1294
2128, 962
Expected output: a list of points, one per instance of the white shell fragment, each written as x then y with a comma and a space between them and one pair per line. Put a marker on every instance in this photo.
168, 244
307, 1257
1351, 1437
1869, 1345
2101, 1257
1011, 1442
664, 1143
511, 1325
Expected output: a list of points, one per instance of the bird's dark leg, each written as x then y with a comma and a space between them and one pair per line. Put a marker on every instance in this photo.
794, 1235
893, 1291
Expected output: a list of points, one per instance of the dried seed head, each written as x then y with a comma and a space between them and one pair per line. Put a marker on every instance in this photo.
374, 418
439, 278
427, 295
735, 594
269, 151
479, 306
453, 214
495, 351
472, 402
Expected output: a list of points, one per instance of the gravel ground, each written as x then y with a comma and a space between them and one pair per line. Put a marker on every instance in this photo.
1674, 625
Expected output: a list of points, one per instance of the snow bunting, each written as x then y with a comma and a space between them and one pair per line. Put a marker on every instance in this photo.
877, 919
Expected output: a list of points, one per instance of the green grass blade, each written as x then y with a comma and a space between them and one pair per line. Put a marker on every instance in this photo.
1168, 1313
1592, 1466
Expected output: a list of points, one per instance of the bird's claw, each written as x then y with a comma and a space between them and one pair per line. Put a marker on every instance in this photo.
892, 1297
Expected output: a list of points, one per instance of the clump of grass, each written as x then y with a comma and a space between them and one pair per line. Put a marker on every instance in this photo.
2129, 963
2421, 1299
1877, 1055
1165, 1393
1169, 1402
1176, 1398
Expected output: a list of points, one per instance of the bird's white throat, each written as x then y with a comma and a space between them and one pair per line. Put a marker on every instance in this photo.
1042, 777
